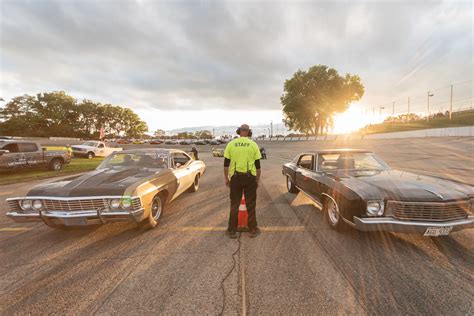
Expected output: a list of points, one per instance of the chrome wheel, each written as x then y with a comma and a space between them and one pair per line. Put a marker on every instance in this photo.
156, 208
288, 183
57, 166
333, 212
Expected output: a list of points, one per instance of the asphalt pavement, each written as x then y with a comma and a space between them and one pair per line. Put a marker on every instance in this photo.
298, 265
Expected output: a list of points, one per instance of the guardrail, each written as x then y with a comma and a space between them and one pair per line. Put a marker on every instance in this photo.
463, 131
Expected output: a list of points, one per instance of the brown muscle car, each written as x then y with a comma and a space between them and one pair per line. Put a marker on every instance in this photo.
131, 185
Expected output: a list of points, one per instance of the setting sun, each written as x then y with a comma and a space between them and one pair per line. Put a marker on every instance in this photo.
351, 120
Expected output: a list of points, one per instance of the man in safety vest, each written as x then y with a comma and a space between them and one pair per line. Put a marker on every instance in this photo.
242, 174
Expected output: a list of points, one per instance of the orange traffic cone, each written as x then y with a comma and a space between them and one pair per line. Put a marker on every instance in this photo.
243, 217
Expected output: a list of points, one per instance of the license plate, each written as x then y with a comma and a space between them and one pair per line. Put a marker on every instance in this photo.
76, 221
438, 231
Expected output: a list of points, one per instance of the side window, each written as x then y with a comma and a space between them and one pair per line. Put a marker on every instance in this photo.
28, 147
328, 162
13, 148
306, 162
180, 159
101, 146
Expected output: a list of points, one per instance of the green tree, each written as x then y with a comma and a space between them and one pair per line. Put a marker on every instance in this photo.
58, 114
312, 97
203, 134
160, 133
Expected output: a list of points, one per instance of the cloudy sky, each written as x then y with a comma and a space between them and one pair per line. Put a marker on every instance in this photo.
192, 63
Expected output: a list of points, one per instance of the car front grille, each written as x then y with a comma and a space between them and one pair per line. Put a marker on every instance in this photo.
432, 211
67, 205
75, 205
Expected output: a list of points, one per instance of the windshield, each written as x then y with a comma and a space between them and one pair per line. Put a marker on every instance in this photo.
149, 160
350, 162
92, 144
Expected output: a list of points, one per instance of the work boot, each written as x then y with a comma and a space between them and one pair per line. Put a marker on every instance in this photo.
254, 232
231, 234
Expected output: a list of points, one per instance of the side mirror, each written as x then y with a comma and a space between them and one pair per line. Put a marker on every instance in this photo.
4, 152
178, 165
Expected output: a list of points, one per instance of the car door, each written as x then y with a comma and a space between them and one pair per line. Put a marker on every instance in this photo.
31, 153
182, 171
304, 171
13, 158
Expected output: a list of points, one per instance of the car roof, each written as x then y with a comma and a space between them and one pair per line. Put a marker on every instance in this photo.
5, 141
145, 150
339, 151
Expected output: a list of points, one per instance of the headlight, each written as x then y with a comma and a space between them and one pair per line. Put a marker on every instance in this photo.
375, 208
25, 205
115, 203
37, 204
126, 202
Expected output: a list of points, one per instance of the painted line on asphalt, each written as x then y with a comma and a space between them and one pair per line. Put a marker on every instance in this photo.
15, 229
192, 229
6, 193
223, 228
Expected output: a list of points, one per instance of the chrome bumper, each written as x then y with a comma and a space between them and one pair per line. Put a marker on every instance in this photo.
418, 227
79, 218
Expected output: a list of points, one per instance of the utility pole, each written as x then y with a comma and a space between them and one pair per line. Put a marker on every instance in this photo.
380, 111
428, 102
271, 129
393, 108
213, 133
451, 104
408, 105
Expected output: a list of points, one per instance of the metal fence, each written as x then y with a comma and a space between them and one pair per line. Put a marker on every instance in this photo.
444, 100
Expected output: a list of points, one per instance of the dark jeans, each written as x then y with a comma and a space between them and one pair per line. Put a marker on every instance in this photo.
248, 185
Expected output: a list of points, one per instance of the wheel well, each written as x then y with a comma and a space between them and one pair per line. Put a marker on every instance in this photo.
57, 158
164, 194
91, 152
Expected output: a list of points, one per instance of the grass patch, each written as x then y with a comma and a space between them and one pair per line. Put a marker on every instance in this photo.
77, 165
458, 119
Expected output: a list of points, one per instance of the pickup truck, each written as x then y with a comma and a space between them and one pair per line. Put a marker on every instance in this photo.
27, 154
93, 148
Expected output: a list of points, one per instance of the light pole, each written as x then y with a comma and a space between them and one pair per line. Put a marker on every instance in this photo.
428, 102
380, 111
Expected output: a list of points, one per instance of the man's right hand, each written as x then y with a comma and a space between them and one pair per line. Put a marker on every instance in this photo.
227, 182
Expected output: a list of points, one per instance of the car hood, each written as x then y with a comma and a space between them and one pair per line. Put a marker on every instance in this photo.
102, 182
405, 186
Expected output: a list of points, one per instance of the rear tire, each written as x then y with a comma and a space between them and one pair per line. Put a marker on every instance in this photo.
56, 164
195, 186
291, 186
90, 155
156, 210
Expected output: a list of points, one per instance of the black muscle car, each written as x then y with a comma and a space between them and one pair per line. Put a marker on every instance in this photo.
130, 185
356, 188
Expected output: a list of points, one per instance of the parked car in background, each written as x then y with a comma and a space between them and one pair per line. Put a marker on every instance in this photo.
128, 186
214, 142
138, 142
27, 154
217, 152
200, 142
122, 141
356, 188
185, 142
170, 142
155, 142
92, 148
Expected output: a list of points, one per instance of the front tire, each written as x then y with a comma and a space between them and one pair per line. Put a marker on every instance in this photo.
90, 155
156, 210
195, 186
332, 214
291, 186
56, 165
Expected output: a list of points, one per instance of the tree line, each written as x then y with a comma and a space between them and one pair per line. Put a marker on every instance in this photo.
59, 114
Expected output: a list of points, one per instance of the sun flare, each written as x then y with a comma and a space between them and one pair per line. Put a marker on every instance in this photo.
351, 120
